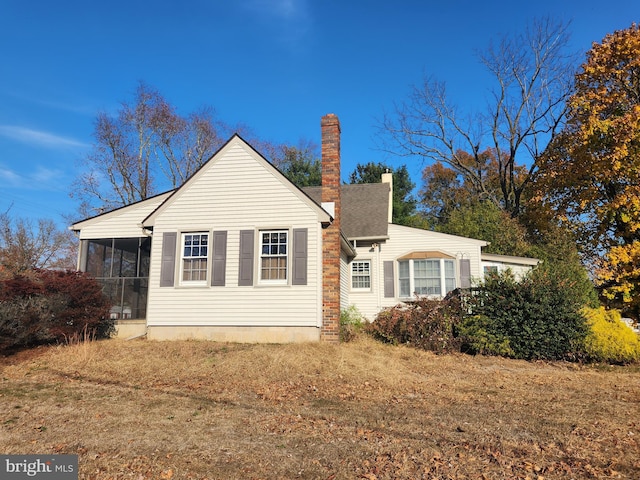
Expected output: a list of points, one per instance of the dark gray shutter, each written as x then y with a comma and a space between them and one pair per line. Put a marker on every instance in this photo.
245, 270
388, 280
465, 273
299, 263
168, 265
84, 249
218, 271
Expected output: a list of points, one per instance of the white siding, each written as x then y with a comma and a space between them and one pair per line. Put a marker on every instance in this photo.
234, 192
518, 270
403, 240
122, 223
345, 280
370, 303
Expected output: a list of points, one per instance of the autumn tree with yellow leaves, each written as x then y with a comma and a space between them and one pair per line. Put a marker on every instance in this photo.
590, 175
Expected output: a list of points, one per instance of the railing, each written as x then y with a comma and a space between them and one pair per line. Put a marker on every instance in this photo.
128, 296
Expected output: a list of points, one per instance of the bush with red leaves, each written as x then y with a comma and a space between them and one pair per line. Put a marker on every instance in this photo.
423, 323
49, 306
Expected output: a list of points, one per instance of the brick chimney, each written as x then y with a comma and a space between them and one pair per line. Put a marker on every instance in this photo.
330, 331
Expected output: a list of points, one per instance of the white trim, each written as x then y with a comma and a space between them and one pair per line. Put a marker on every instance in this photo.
287, 256
361, 289
412, 278
194, 283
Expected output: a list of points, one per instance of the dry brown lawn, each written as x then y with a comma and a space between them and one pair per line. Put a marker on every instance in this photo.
181, 410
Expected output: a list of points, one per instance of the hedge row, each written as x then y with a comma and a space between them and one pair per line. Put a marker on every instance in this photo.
535, 318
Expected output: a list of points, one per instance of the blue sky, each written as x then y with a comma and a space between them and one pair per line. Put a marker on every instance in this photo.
275, 65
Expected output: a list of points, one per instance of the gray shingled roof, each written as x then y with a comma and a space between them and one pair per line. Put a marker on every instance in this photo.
365, 209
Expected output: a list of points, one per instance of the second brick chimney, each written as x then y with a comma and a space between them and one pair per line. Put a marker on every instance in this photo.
330, 331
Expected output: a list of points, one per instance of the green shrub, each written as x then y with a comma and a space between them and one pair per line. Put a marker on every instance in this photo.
423, 323
610, 339
51, 306
479, 336
539, 316
351, 323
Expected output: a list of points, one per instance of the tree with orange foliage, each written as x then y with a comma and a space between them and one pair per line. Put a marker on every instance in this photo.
590, 174
445, 189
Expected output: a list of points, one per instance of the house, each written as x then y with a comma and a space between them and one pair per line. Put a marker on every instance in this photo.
239, 253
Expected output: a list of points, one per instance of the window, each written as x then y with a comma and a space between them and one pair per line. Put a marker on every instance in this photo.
449, 276
361, 275
433, 276
273, 255
405, 278
490, 270
195, 251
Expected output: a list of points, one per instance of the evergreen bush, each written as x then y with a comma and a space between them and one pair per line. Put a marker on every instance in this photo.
539, 316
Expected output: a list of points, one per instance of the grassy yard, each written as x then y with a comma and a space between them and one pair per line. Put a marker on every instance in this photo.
179, 410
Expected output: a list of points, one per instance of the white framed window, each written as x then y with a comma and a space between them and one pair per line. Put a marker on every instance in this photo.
426, 277
195, 254
490, 270
361, 275
274, 249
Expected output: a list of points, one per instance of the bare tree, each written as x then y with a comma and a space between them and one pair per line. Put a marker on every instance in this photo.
533, 76
146, 148
25, 246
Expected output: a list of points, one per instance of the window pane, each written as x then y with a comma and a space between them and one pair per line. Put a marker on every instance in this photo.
194, 261
403, 279
449, 270
360, 274
450, 285
405, 288
403, 269
273, 261
433, 268
450, 276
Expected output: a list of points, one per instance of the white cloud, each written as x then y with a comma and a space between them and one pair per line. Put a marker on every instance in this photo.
10, 178
39, 138
41, 178
285, 9
45, 175
291, 18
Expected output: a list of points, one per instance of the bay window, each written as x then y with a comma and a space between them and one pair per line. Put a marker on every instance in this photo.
426, 276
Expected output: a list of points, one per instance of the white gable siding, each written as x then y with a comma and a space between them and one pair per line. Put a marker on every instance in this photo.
236, 192
402, 241
122, 223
